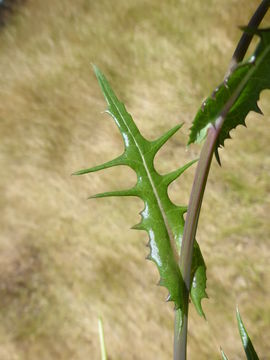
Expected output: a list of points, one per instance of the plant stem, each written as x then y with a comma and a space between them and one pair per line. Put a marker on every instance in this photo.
201, 175
245, 39
194, 207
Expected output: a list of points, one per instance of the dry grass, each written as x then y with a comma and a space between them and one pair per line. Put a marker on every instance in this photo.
65, 260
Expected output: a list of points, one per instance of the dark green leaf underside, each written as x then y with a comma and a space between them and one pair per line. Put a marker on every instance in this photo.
162, 219
247, 81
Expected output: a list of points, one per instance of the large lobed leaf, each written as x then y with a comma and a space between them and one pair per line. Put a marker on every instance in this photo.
240, 91
162, 219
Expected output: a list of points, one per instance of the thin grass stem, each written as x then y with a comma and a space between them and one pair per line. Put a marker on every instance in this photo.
101, 340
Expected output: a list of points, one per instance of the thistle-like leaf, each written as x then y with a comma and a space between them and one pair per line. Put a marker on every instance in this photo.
239, 93
247, 344
162, 219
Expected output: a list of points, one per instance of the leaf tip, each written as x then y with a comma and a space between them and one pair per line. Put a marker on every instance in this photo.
157, 144
138, 226
224, 357
96, 69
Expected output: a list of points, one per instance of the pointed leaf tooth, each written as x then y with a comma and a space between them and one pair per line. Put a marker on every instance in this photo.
243, 122
257, 109
149, 257
157, 144
169, 178
138, 226
117, 161
128, 192
198, 304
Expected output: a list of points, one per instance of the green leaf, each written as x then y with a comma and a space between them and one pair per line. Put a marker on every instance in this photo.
162, 219
198, 274
247, 344
239, 93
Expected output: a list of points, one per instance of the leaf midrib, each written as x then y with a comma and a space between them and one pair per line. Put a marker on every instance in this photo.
163, 214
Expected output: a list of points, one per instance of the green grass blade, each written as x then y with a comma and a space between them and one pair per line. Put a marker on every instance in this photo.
101, 340
247, 344
224, 357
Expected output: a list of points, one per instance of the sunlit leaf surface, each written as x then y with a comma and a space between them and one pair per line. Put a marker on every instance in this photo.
162, 219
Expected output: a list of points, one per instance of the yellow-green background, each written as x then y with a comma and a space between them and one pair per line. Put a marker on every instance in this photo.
65, 260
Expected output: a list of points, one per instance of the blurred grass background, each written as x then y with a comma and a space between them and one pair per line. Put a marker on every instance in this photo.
64, 260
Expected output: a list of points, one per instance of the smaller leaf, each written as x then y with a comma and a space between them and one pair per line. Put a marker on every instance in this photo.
247, 344
237, 95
